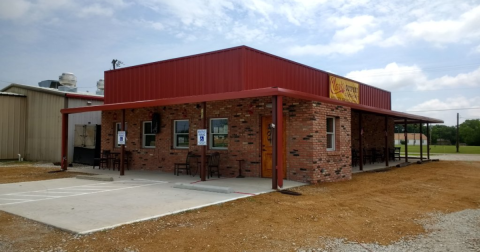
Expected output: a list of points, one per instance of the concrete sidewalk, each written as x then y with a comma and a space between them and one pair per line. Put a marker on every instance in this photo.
84, 206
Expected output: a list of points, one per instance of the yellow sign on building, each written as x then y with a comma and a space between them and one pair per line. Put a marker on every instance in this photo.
344, 90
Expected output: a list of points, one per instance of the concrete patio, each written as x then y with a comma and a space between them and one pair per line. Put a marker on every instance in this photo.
85, 206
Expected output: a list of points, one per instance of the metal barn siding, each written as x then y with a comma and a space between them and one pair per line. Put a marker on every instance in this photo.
229, 70
266, 70
374, 97
44, 124
13, 111
208, 73
80, 118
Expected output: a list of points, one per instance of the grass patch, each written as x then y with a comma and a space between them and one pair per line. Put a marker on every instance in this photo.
441, 149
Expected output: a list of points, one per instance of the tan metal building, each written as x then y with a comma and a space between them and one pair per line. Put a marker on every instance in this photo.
41, 121
13, 108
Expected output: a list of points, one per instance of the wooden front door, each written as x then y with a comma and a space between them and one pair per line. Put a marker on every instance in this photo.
267, 139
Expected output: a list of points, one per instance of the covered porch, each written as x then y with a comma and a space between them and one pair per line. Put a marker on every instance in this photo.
323, 165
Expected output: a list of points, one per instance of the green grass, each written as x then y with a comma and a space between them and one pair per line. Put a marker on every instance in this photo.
435, 149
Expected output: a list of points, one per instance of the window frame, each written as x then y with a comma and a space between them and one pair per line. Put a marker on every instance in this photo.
117, 128
144, 135
331, 134
175, 134
211, 134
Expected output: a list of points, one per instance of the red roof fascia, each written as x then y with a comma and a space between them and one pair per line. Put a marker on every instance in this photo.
173, 101
305, 96
86, 97
247, 94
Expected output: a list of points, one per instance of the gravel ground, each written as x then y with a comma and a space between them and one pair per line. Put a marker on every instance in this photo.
453, 232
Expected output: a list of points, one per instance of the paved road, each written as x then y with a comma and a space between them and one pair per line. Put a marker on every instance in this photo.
449, 156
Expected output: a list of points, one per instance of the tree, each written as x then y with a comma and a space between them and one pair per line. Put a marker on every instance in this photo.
443, 132
470, 132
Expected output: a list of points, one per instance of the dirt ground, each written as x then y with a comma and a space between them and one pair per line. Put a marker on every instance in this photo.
378, 207
29, 172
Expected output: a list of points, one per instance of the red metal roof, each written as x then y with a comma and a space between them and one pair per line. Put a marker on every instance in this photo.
249, 94
229, 70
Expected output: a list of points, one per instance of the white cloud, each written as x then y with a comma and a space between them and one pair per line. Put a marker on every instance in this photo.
392, 77
396, 77
242, 33
463, 80
446, 109
34, 11
354, 35
476, 49
13, 9
198, 13
463, 29
95, 10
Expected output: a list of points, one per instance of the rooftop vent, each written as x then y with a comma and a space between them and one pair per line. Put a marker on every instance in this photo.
100, 87
49, 84
68, 79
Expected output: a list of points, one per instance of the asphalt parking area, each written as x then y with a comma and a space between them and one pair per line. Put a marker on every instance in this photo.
85, 206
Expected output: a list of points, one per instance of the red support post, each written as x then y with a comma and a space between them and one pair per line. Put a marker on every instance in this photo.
387, 151
64, 159
360, 136
122, 153
279, 131
421, 143
406, 139
274, 142
203, 148
428, 141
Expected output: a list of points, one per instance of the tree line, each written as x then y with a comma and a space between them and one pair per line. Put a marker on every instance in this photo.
469, 132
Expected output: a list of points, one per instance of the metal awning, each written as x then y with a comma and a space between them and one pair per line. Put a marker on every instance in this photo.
262, 92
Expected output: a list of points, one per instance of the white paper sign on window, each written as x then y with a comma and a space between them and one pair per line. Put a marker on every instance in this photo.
121, 137
202, 137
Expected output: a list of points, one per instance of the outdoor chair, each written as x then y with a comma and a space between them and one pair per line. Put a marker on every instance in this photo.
213, 164
126, 160
366, 156
102, 161
378, 155
391, 154
396, 153
183, 166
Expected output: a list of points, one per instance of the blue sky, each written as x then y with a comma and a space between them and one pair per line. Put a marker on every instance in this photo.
426, 52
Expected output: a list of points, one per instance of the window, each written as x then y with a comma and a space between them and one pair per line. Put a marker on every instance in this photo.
219, 133
148, 138
330, 133
180, 134
117, 129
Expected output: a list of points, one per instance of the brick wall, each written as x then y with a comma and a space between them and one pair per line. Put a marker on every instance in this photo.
307, 159
373, 131
333, 165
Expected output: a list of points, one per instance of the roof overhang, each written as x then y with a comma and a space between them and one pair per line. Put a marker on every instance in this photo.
262, 92
55, 92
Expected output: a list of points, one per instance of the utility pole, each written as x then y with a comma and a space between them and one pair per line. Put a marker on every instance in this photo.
458, 116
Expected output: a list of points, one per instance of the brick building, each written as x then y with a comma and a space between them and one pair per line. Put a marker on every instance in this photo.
269, 111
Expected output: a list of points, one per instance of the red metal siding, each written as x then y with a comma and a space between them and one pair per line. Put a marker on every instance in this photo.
209, 73
229, 70
266, 70
374, 97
